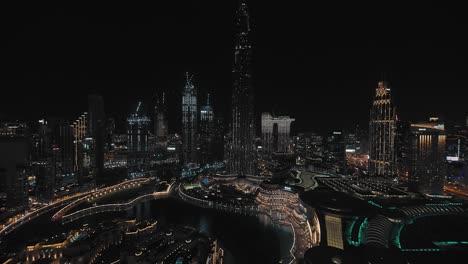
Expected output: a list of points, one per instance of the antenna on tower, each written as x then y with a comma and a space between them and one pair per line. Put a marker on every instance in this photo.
188, 81
138, 108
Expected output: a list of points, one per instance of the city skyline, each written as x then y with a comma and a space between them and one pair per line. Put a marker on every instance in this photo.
305, 59
282, 157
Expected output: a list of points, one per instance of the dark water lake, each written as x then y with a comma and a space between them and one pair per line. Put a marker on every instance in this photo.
245, 239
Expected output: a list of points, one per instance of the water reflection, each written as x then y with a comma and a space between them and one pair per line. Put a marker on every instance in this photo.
245, 239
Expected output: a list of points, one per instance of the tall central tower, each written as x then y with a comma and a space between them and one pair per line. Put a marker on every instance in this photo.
96, 130
242, 151
382, 133
206, 132
189, 121
138, 126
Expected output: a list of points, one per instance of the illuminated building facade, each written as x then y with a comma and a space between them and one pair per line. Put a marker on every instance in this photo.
207, 133
427, 157
241, 148
60, 152
189, 121
160, 117
218, 142
13, 129
44, 160
457, 150
309, 144
79, 133
138, 126
333, 226
276, 133
382, 133
110, 131
40, 141
335, 152
402, 145
65, 142
353, 141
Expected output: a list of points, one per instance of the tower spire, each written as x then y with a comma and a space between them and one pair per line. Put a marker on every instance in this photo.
189, 121
138, 108
188, 81
243, 18
241, 152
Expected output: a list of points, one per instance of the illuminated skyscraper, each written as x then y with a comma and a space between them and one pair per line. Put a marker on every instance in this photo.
43, 161
382, 133
427, 157
65, 142
402, 146
241, 148
353, 141
308, 145
276, 133
110, 131
160, 117
79, 133
137, 130
335, 151
207, 132
61, 142
189, 121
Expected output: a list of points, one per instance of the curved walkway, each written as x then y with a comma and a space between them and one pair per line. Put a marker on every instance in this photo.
115, 207
98, 193
32, 215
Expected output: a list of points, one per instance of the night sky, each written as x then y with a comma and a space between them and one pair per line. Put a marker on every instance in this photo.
319, 64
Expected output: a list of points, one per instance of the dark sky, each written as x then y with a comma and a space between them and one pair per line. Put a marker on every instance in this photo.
318, 64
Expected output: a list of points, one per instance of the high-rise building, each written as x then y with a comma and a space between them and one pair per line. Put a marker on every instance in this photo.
207, 132
62, 142
457, 146
353, 141
137, 131
13, 129
61, 155
96, 130
45, 179
79, 133
189, 121
382, 133
160, 117
14, 152
402, 145
276, 133
67, 151
43, 162
427, 157
335, 151
41, 142
241, 151
308, 146
218, 138
110, 131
